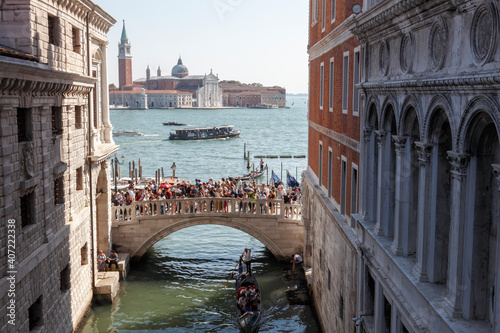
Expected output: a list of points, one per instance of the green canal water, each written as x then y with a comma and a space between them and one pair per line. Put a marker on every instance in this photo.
178, 285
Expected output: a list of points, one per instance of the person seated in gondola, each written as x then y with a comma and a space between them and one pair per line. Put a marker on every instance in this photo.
241, 302
247, 307
254, 300
242, 292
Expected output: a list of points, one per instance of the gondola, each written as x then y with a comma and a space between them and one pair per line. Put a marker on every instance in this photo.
254, 174
248, 322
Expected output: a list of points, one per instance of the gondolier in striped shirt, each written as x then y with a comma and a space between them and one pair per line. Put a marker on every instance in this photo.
247, 259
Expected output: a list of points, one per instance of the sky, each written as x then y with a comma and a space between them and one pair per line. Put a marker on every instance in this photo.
245, 40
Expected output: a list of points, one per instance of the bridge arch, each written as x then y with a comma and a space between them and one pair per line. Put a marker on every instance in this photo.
195, 221
277, 225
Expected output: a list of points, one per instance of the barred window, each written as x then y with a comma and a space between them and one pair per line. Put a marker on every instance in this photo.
53, 25
75, 33
84, 251
57, 127
79, 178
78, 117
35, 314
58, 191
65, 280
24, 128
27, 206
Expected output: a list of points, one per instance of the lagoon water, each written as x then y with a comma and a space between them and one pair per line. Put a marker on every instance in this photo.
178, 285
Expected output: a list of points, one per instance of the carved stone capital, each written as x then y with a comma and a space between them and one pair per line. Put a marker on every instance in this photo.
458, 162
399, 142
380, 137
496, 172
424, 151
367, 132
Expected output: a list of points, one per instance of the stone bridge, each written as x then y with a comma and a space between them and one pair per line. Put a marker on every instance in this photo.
277, 225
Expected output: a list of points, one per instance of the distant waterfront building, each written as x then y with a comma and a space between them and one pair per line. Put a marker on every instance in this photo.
244, 95
178, 90
330, 183
54, 161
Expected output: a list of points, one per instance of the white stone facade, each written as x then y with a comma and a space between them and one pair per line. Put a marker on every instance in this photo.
430, 167
169, 99
54, 160
209, 95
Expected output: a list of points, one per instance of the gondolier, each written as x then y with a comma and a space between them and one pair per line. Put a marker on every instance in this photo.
247, 259
248, 314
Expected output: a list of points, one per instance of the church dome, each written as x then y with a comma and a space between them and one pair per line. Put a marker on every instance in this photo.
180, 70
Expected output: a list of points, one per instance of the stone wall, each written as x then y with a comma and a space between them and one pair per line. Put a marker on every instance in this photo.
331, 255
46, 195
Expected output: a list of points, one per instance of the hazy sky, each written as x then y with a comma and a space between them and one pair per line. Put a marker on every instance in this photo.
246, 40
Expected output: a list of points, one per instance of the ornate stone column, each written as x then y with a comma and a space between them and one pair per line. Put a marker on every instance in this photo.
401, 207
496, 300
459, 166
108, 138
424, 151
368, 175
382, 225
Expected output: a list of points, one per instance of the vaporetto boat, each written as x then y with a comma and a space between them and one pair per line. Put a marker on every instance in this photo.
205, 133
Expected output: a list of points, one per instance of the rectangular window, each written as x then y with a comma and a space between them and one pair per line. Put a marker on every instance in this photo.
64, 279
330, 101
35, 315
79, 178
354, 189
84, 252
343, 181
314, 12
321, 85
355, 97
345, 82
330, 156
27, 209
24, 128
323, 14
53, 25
59, 191
333, 10
57, 127
320, 172
78, 117
75, 34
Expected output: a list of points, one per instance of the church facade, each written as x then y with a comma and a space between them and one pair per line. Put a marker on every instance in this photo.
177, 90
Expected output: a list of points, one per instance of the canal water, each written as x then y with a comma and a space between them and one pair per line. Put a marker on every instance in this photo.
178, 286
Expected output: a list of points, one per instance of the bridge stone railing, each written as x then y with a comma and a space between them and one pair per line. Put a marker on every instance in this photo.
204, 206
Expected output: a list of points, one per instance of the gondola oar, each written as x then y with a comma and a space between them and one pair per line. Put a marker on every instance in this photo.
232, 271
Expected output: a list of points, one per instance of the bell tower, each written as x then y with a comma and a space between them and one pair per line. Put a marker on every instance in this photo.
124, 60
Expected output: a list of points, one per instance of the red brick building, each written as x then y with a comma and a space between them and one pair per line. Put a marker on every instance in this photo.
124, 60
331, 180
244, 95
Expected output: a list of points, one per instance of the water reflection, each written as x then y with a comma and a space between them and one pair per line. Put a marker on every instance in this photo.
178, 287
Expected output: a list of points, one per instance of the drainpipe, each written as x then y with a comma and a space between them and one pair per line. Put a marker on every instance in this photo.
89, 69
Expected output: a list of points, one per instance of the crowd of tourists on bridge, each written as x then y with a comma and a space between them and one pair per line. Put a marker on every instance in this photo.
224, 188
